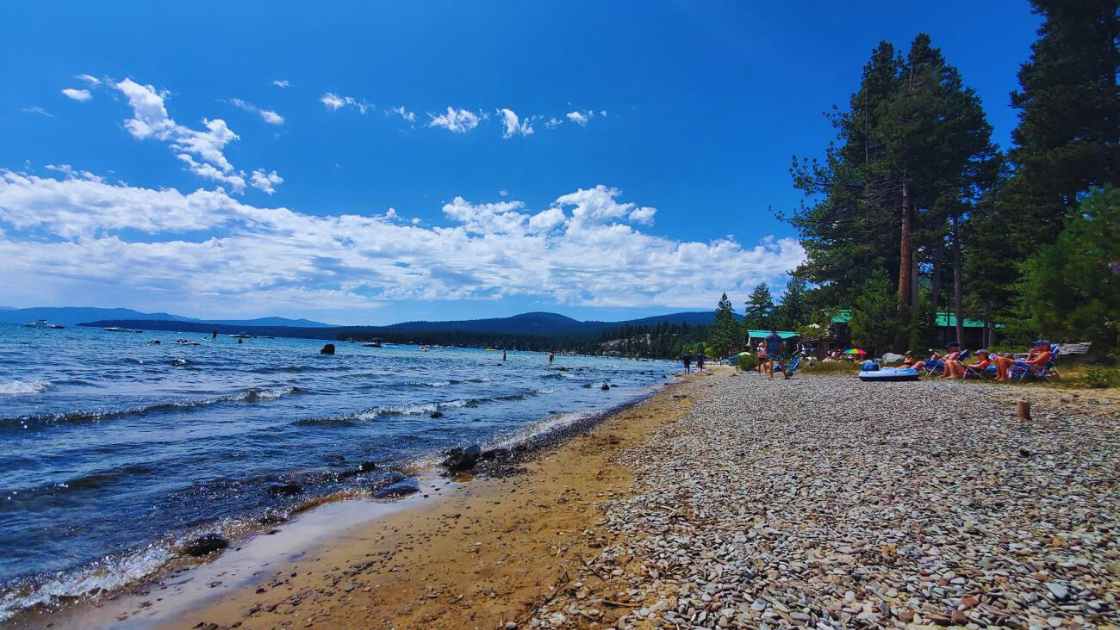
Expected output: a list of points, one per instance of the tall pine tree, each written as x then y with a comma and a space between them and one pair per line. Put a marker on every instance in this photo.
760, 309
724, 334
1068, 138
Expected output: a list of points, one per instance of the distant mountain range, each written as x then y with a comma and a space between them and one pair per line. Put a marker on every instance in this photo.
74, 315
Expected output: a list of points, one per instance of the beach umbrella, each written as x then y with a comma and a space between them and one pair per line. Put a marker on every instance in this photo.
854, 351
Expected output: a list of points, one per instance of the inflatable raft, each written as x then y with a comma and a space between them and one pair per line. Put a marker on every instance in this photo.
890, 374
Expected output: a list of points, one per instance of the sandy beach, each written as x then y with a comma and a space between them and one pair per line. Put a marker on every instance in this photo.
732, 501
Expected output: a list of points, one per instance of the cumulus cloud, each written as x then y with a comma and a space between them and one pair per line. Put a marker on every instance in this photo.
203, 151
402, 112
553, 122
265, 182
79, 235
77, 95
72, 173
281, 83
266, 115
581, 118
334, 102
455, 120
514, 125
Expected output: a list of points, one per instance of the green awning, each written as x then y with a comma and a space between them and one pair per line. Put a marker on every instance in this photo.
762, 334
943, 320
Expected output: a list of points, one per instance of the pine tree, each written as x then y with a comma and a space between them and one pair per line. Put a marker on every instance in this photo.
793, 311
760, 309
1072, 287
724, 334
1068, 138
875, 319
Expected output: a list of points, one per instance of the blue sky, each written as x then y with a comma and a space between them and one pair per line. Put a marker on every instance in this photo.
252, 158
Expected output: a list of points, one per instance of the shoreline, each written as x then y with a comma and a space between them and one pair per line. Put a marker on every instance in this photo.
184, 584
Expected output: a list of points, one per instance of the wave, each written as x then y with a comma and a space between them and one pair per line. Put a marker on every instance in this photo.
106, 575
376, 413
17, 388
251, 395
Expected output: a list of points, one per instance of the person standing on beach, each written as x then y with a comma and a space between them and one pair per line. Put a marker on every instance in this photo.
551, 357
700, 362
687, 359
773, 352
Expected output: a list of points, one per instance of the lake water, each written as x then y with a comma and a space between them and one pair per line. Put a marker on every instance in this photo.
113, 449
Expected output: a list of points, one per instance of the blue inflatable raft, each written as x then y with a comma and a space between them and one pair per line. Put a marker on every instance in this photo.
890, 374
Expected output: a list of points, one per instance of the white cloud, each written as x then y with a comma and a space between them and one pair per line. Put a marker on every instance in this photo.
201, 150
581, 118
455, 120
514, 125
503, 192
265, 181
267, 115
92, 80
77, 238
72, 173
334, 102
553, 123
35, 109
78, 95
281, 83
643, 215
402, 112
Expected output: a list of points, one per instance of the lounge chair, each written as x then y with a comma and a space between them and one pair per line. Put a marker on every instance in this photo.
1021, 370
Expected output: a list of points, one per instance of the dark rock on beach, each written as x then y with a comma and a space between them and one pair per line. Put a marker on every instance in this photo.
284, 489
397, 490
327, 349
205, 544
462, 460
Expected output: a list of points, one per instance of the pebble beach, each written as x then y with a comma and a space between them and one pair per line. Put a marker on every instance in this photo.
828, 503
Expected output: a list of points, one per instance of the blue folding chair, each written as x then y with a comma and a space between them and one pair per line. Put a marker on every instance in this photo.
1021, 370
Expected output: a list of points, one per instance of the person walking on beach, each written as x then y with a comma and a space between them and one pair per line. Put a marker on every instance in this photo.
700, 362
773, 352
687, 359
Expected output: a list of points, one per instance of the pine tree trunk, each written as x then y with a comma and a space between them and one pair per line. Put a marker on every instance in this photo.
906, 257
957, 290
935, 282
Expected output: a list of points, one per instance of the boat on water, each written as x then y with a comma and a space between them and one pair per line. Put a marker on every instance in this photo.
42, 323
122, 330
241, 335
425, 348
376, 343
187, 342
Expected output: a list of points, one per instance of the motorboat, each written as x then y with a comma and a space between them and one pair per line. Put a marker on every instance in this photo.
375, 343
122, 330
241, 335
42, 323
187, 342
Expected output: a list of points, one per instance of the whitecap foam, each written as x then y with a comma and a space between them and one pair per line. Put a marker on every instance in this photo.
105, 576
17, 388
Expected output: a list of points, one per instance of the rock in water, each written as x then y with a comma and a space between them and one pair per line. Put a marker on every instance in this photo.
367, 466
605, 387
327, 349
397, 490
437, 414
284, 489
460, 460
205, 544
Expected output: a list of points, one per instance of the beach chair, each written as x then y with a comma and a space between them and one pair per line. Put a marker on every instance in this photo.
1022, 371
791, 368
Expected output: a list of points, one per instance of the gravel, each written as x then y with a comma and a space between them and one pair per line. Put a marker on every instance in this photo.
824, 502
